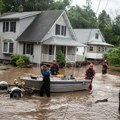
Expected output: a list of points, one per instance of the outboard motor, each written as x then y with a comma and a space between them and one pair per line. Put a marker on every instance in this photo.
3, 85
15, 92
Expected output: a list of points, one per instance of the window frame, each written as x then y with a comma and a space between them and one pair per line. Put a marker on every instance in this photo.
60, 30
12, 26
9, 26
96, 35
28, 48
91, 48
9, 47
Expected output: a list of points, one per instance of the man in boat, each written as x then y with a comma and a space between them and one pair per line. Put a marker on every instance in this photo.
90, 73
54, 68
45, 88
104, 67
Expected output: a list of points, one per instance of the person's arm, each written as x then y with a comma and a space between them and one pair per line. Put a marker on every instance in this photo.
46, 73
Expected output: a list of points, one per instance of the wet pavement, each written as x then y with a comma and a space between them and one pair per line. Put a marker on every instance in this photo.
80, 105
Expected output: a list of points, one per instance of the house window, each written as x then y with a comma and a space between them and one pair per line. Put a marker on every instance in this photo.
96, 35
28, 48
90, 48
9, 26
57, 32
99, 49
63, 30
77, 49
5, 26
60, 30
12, 26
104, 49
7, 46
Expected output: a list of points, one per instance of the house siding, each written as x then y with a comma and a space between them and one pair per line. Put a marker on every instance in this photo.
51, 32
24, 23
20, 27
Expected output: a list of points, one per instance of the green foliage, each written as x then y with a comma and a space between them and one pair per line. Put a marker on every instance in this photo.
34, 5
18, 60
60, 58
113, 56
110, 29
1, 6
82, 18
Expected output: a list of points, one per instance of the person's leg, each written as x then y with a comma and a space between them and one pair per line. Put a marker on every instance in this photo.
42, 90
47, 89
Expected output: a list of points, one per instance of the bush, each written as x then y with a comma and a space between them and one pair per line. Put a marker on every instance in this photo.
60, 58
18, 60
113, 56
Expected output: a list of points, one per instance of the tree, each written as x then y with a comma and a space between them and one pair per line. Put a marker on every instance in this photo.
10, 5
1, 6
113, 56
34, 5
82, 18
60, 58
109, 28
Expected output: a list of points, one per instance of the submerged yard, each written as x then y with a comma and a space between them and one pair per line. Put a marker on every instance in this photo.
80, 105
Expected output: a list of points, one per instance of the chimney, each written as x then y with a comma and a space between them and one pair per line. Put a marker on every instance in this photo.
21, 8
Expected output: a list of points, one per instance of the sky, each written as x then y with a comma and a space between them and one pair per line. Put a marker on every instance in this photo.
112, 7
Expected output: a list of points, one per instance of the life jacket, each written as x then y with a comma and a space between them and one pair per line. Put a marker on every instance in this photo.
54, 68
89, 73
105, 65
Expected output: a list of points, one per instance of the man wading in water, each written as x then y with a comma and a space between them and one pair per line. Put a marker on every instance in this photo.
45, 88
104, 67
90, 73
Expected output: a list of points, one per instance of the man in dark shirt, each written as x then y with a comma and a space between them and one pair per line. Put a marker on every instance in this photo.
90, 73
45, 88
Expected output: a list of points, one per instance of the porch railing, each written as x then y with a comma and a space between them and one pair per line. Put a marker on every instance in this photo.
47, 58
72, 58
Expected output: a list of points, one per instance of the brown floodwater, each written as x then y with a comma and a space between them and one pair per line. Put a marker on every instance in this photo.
78, 105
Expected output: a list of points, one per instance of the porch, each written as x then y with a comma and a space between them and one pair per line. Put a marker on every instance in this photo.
68, 58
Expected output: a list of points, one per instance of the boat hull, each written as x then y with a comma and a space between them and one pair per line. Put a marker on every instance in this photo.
57, 84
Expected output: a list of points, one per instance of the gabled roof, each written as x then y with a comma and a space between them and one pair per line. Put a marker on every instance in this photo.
100, 43
57, 40
86, 35
40, 26
18, 15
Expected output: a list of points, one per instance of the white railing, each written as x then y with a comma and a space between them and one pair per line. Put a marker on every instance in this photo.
80, 58
69, 58
47, 58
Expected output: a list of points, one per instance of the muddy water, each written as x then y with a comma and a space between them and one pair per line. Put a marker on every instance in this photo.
63, 106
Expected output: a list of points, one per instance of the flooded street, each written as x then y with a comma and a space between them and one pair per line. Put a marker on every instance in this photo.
78, 105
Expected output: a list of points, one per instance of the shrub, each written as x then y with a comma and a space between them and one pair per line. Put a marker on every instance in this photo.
60, 58
18, 60
113, 56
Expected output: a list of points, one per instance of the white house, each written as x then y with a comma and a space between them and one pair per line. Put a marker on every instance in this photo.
39, 35
96, 44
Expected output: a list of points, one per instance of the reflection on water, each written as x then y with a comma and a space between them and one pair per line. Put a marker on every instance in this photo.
78, 105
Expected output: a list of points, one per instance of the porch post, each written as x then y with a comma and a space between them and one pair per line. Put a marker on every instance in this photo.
74, 62
66, 58
39, 56
66, 52
54, 52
